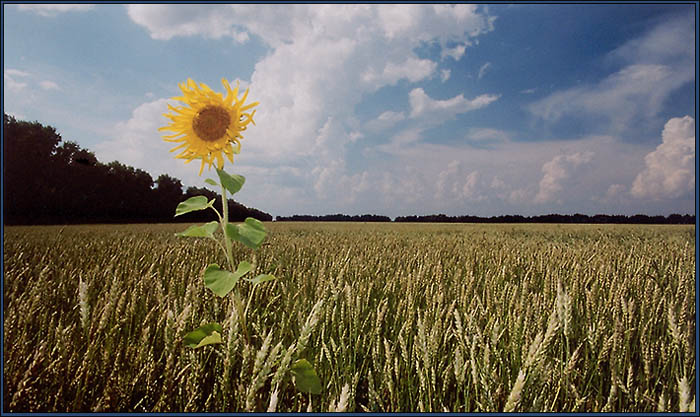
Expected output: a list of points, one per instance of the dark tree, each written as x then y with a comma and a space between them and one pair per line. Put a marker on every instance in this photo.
50, 181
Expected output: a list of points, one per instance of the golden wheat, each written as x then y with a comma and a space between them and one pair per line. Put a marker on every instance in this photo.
393, 317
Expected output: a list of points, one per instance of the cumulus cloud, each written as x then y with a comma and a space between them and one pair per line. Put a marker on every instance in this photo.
457, 183
412, 69
556, 171
670, 169
165, 22
615, 190
427, 112
50, 10
331, 181
322, 61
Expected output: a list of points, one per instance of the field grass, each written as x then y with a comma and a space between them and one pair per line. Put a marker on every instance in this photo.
394, 317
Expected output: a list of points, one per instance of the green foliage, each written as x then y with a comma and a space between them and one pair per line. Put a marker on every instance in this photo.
251, 233
193, 204
205, 230
220, 281
231, 182
203, 335
305, 377
261, 278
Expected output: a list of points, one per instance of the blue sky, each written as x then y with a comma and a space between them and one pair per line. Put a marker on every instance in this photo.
385, 109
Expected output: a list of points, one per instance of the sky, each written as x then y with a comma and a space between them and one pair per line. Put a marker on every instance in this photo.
392, 109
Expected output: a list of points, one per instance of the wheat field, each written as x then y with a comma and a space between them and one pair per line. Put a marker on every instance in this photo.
393, 317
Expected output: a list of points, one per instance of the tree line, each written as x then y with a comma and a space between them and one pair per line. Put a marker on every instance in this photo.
553, 218
51, 181
548, 218
333, 218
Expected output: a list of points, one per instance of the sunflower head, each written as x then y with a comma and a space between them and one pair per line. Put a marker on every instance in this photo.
209, 126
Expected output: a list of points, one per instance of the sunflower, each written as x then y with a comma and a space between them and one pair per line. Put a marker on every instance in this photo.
209, 126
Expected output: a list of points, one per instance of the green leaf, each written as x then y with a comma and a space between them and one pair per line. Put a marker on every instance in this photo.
305, 378
193, 204
221, 281
251, 233
205, 230
231, 182
211, 182
203, 335
213, 338
232, 232
261, 278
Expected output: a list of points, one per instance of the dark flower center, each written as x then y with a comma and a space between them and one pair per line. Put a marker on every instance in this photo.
210, 123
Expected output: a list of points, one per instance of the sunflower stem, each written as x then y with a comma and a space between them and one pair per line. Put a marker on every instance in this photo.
229, 258
224, 224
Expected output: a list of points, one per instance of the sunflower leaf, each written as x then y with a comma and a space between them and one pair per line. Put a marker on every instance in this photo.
203, 335
221, 281
211, 182
205, 230
232, 182
305, 377
251, 233
260, 279
193, 204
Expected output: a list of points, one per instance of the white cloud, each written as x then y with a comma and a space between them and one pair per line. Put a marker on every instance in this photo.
137, 140
16, 80
404, 138
615, 190
556, 172
484, 68
445, 75
635, 91
528, 91
11, 80
670, 169
16, 73
667, 42
456, 53
424, 106
165, 22
487, 135
497, 182
385, 121
427, 112
331, 182
50, 10
412, 69
655, 65
323, 60
49, 85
